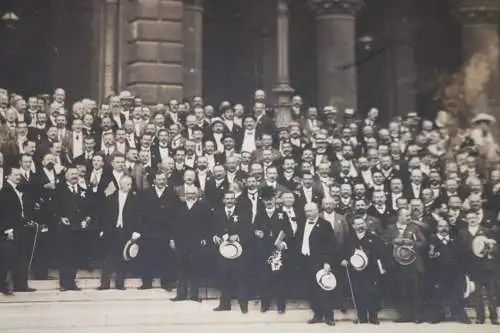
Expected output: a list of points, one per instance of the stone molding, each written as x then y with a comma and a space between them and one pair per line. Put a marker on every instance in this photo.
336, 7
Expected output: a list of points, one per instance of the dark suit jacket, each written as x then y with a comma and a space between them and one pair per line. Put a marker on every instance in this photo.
11, 216
131, 214
73, 206
271, 226
191, 226
322, 245
414, 236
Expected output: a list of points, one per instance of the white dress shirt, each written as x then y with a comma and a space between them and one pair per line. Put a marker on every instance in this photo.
95, 179
77, 144
202, 179
330, 217
218, 142
416, 190
307, 194
164, 153
122, 197
292, 218
248, 141
19, 196
306, 250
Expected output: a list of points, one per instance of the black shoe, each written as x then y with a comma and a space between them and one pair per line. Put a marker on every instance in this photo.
222, 308
195, 299
178, 299
315, 320
465, 321
120, 288
360, 321
330, 322
244, 307
374, 321
402, 320
494, 322
25, 290
264, 308
145, 287
281, 310
7, 292
480, 321
102, 288
71, 288
418, 321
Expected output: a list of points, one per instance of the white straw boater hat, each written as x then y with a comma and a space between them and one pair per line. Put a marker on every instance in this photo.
326, 281
230, 250
483, 117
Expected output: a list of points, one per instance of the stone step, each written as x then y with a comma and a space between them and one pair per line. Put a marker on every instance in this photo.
72, 310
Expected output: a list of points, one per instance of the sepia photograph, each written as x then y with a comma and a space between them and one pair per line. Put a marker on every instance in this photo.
249, 165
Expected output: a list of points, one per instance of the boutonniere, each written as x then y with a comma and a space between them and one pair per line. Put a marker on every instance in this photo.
83, 194
235, 218
488, 221
280, 216
57, 181
297, 193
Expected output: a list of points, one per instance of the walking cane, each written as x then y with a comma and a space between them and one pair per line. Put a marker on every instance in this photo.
37, 227
352, 291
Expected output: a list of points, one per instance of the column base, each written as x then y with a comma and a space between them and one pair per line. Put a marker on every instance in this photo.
283, 113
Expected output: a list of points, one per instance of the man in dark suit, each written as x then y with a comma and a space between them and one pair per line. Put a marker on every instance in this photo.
482, 270
268, 225
365, 281
190, 232
158, 210
445, 276
318, 251
232, 224
72, 216
120, 222
14, 252
409, 277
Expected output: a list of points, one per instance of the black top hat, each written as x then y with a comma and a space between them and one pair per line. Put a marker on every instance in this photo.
267, 193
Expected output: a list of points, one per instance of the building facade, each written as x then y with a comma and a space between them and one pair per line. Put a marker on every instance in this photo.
355, 53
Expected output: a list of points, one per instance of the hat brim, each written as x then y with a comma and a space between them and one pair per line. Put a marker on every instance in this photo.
230, 250
131, 250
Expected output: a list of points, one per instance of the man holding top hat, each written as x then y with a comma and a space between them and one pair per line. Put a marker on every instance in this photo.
320, 259
72, 217
406, 240
120, 223
271, 231
445, 276
232, 231
363, 262
190, 233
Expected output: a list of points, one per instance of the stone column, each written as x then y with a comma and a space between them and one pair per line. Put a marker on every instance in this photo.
283, 90
192, 26
154, 68
401, 26
110, 48
480, 33
96, 61
336, 38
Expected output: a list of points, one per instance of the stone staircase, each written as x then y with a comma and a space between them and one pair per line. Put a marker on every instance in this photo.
90, 307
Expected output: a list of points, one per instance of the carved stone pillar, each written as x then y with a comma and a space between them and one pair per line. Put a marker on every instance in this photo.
110, 47
336, 38
283, 89
401, 24
480, 33
192, 26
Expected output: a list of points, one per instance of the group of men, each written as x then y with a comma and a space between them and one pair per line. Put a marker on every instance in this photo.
389, 214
